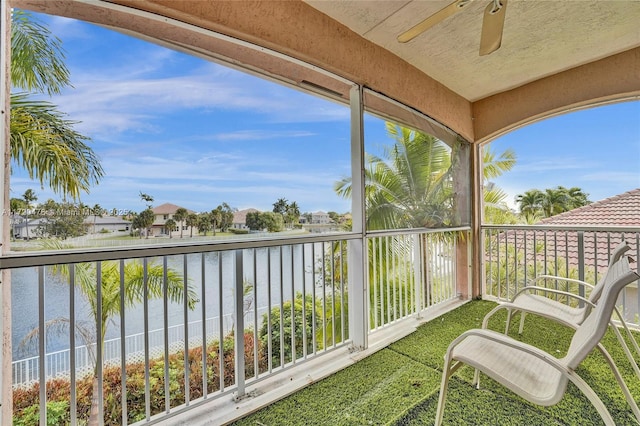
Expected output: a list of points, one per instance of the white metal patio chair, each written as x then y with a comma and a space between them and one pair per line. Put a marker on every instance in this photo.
534, 374
529, 300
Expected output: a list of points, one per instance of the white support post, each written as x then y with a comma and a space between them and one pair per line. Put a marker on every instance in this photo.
357, 249
6, 394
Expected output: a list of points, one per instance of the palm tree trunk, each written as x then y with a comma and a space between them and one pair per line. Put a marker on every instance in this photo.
94, 413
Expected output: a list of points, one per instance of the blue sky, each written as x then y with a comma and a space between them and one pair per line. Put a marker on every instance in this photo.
197, 134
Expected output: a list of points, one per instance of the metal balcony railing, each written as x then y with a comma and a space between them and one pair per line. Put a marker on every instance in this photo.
289, 296
514, 255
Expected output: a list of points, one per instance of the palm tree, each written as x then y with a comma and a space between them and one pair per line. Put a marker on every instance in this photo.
145, 220
140, 282
215, 217
280, 206
97, 210
555, 201
191, 221
42, 141
531, 201
577, 197
496, 209
170, 225
180, 215
410, 186
29, 197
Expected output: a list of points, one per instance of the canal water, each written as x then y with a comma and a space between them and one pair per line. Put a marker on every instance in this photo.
275, 272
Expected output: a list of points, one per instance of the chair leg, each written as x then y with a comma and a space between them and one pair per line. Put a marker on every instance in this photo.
593, 398
509, 315
447, 372
634, 343
626, 349
442, 398
623, 385
522, 315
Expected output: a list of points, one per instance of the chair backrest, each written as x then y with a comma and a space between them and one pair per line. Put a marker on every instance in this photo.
617, 253
589, 333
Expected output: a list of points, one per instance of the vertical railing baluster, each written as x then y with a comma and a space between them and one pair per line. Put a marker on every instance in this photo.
256, 365
165, 332
123, 349
415, 267
220, 324
566, 259
387, 279
269, 321
314, 331
373, 280
99, 343
595, 257
42, 371
342, 247
293, 308
581, 254
281, 322
203, 311
333, 294
324, 297
145, 320
304, 302
239, 343
72, 345
185, 318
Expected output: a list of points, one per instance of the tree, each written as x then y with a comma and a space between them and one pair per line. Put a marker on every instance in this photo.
410, 186
179, 216
496, 209
292, 216
97, 210
204, 223
29, 197
42, 141
274, 222
145, 220
281, 206
535, 203
191, 221
147, 199
254, 221
139, 282
215, 216
530, 203
170, 225
64, 220
226, 216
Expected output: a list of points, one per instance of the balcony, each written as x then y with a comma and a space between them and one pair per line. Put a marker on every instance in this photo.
302, 321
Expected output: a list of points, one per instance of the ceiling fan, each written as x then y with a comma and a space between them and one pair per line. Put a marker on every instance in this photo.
492, 24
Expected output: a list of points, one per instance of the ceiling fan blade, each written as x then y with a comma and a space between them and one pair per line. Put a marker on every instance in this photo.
432, 20
492, 26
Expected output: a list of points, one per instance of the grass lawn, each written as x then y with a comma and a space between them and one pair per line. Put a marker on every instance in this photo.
399, 385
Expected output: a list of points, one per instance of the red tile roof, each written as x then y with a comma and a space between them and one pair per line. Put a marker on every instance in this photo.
168, 208
620, 210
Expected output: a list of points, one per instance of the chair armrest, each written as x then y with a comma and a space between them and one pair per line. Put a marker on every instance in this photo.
554, 291
559, 278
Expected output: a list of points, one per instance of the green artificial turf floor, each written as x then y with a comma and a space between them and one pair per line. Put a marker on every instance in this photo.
399, 384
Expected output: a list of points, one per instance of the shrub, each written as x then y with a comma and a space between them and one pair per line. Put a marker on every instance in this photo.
311, 329
238, 231
26, 401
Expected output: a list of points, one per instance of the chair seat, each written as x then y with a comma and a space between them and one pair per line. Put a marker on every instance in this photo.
549, 308
523, 373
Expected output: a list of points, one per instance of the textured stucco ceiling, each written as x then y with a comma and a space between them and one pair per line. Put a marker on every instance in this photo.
540, 38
